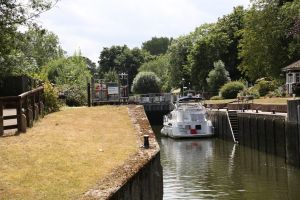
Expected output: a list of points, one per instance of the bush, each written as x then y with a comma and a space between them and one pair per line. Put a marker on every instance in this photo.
146, 82
216, 98
52, 103
264, 87
75, 95
251, 91
231, 89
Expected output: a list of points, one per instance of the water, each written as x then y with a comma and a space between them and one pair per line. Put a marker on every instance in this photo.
217, 169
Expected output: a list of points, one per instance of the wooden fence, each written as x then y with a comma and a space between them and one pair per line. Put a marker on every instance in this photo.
29, 106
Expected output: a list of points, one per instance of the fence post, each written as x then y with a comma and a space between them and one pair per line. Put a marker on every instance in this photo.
33, 106
89, 94
27, 111
19, 114
1, 119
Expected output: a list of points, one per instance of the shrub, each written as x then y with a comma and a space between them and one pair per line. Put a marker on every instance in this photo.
264, 87
75, 95
52, 103
146, 82
231, 89
251, 91
216, 98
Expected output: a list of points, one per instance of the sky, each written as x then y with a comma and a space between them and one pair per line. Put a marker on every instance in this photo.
90, 25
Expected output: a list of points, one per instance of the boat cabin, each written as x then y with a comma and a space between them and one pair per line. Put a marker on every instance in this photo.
292, 74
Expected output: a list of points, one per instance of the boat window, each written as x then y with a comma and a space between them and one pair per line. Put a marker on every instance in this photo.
196, 117
180, 117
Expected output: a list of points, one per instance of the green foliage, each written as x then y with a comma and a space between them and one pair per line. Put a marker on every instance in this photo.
251, 91
267, 44
52, 103
264, 87
13, 58
218, 76
111, 76
157, 46
121, 59
160, 65
146, 82
231, 89
216, 98
70, 76
179, 66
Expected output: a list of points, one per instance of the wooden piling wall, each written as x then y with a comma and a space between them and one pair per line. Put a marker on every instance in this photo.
268, 133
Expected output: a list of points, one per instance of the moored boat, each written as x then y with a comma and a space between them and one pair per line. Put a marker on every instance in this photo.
187, 120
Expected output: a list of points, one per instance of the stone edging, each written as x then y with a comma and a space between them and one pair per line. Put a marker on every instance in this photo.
108, 186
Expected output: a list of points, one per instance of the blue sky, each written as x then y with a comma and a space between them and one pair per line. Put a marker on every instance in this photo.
90, 25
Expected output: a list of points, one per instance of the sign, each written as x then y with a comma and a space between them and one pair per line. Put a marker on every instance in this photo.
113, 90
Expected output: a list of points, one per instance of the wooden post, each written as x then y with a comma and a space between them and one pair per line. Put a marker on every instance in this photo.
33, 106
26, 107
19, 114
89, 94
1, 119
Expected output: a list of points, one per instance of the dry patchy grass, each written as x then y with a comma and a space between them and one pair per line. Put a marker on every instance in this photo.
262, 100
66, 153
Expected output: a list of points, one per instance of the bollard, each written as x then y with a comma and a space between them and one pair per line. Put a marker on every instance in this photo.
146, 141
273, 111
256, 110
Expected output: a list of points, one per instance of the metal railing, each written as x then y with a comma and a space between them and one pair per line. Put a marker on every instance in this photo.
153, 98
29, 106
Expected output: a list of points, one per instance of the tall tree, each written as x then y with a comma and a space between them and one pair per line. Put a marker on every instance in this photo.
13, 14
157, 45
121, 59
179, 70
217, 77
211, 46
266, 46
160, 66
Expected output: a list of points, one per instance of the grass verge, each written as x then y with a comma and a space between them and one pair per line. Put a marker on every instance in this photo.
66, 153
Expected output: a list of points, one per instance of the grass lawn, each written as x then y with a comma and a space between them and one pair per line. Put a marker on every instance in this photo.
66, 153
219, 101
259, 101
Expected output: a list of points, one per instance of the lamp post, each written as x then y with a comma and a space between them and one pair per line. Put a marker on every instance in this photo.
183, 86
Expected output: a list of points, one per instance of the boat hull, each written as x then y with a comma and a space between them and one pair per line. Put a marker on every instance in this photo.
174, 132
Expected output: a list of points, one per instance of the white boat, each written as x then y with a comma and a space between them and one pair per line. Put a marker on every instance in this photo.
187, 120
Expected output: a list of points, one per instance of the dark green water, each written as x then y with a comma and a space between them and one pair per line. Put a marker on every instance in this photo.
217, 169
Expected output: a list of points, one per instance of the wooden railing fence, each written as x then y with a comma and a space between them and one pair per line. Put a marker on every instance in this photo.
29, 107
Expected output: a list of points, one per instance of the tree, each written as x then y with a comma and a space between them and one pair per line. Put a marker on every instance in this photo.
218, 76
13, 14
211, 45
40, 46
146, 82
179, 66
121, 59
111, 76
157, 46
160, 66
266, 44
232, 24
70, 76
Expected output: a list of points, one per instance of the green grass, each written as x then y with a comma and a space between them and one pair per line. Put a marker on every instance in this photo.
66, 153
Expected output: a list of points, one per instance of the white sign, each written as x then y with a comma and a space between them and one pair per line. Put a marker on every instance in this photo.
113, 90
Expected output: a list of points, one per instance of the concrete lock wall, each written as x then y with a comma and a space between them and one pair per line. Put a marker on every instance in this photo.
146, 184
268, 133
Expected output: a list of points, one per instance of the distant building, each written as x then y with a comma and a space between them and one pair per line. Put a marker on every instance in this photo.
292, 74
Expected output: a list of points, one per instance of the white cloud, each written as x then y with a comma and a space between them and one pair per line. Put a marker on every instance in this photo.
94, 24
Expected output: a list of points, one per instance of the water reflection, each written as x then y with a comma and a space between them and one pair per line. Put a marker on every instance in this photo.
216, 169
